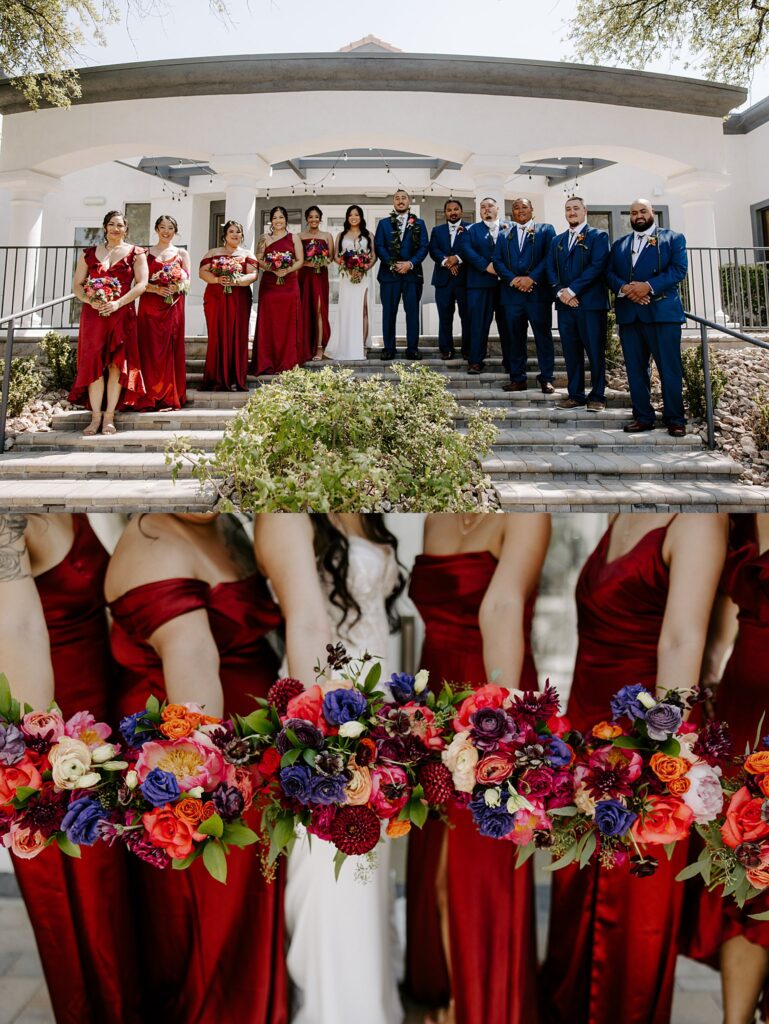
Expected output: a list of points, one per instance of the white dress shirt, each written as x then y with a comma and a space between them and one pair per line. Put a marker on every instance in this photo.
493, 227
522, 231
640, 241
453, 231
573, 232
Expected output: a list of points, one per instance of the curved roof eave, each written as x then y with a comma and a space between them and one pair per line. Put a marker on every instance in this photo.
401, 72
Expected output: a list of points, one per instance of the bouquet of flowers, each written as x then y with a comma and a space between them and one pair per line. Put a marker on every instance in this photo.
355, 264
510, 763
101, 289
172, 275
345, 761
316, 253
279, 260
227, 267
184, 792
52, 773
643, 779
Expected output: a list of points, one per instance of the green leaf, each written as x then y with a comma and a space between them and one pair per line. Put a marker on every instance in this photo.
690, 871
182, 865
761, 917
259, 722
290, 756
310, 757
339, 859
564, 812
671, 747
24, 793
152, 705
373, 676
213, 826
588, 849
418, 812
215, 861
669, 849
283, 830
66, 846
5, 696
628, 743
567, 858
239, 835
524, 852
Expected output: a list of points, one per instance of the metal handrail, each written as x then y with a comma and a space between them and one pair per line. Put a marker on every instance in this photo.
11, 319
706, 325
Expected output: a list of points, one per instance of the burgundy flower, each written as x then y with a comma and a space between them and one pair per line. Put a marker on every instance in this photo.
749, 854
534, 705
491, 727
714, 744
436, 782
280, 693
228, 801
47, 812
531, 756
355, 830
537, 782
643, 867
609, 778
138, 844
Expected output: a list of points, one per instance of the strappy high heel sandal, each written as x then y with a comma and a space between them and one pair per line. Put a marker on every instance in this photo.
108, 427
93, 426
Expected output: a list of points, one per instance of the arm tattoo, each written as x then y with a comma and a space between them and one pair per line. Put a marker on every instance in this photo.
238, 547
12, 547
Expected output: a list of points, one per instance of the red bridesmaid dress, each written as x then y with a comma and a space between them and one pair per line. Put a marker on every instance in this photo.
106, 340
80, 909
313, 289
161, 348
490, 903
613, 937
227, 320
278, 340
213, 954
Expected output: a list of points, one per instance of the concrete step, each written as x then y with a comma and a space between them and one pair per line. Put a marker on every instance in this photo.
456, 383
509, 463
448, 366
628, 495
87, 465
78, 495
542, 416
491, 394
124, 441
565, 439
179, 420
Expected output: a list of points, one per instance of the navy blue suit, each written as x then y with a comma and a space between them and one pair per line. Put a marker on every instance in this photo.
483, 302
523, 308
394, 287
652, 331
582, 328
450, 289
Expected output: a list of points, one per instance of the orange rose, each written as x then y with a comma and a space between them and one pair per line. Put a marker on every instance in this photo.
169, 832
764, 786
668, 820
679, 786
743, 819
758, 763
190, 810
758, 877
14, 776
177, 728
396, 829
668, 768
606, 731
171, 711
208, 810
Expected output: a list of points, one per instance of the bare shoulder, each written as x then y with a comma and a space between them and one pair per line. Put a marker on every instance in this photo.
151, 548
14, 562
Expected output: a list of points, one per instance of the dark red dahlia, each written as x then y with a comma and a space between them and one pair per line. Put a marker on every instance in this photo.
280, 693
355, 830
535, 705
436, 782
46, 812
714, 744
147, 851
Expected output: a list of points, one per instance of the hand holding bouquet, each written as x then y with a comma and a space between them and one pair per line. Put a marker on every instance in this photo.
228, 269
101, 290
355, 264
316, 254
279, 260
174, 277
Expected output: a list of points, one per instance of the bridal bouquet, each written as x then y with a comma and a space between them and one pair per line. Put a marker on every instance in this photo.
643, 779
185, 789
279, 260
52, 773
101, 289
227, 267
172, 275
355, 264
316, 254
348, 760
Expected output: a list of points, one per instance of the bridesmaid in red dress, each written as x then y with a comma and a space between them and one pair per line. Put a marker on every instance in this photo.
227, 307
107, 340
191, 615
643, 604
471, 916
313, 286
54, 644
722, 935
161, 326
278, 342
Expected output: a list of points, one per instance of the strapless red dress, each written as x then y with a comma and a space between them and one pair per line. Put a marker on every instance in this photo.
490, 903
313, 289
161, 348
212, 954
104, 341
613, 938
80, 909
278, 340
227, 321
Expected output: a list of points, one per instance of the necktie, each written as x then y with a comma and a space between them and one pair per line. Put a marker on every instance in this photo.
639, 244
572, 238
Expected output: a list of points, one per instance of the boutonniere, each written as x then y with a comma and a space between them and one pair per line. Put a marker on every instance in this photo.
651, 240
579, 240
460, 230
411, 221
530, 232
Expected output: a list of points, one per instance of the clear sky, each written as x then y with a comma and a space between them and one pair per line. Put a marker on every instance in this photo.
509, 28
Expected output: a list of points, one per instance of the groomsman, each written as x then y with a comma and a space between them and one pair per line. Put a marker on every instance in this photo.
477, 250
645, 269
575, 265
450, 278
401, 244
521, 262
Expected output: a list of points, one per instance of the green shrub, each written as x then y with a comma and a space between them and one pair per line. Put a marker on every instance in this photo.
613, 346
61, 361
329, 441
744, 293
694, 380
26, 383
760, 420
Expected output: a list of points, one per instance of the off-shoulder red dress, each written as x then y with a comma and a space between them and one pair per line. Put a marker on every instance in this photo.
227, 320
278, 339
104, 341
613, 937
313, 289
161, 347
490, 903
80, 909
212, 954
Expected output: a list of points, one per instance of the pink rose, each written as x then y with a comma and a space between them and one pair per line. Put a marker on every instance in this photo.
84, 727
43, 725
309, 706
322, 819
423, 725
559, 725
26, 842
389, 790
668, 821
168, 831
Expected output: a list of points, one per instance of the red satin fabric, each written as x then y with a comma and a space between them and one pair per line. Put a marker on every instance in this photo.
80, 910
106, 340
613, 938
161, 349
227, 319
313, 289
491, 904
278, 340
212, 954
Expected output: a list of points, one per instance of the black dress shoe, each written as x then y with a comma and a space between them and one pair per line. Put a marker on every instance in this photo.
515, 385
475, 368
636, 427
448, 355
414, 355
387, 355
547, 387
677, 430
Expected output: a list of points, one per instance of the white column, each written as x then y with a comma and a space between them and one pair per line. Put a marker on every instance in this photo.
240, 205
25, 230
241, 174
489, 173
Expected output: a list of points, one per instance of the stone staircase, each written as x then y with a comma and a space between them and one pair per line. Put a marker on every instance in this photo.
544, 457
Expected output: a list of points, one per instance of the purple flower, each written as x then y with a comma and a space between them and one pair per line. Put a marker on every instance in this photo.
663, 721
328, 789
402, 689
305, 732
490, 727
295, 780
643, 867
145, 850
534, 705
625, 702
340, 706
613, 818
136, 729
329, 763
12, 745
537, 782
160, 788
559, 754
714, 744
228, 801
81, 822
494, 822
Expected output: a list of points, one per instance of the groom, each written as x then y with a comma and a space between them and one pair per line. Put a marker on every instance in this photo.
401, 244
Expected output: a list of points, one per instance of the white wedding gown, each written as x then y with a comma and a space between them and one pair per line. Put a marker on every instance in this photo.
347, 341
343, 949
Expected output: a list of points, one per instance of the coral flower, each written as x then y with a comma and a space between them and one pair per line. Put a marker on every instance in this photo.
193, 762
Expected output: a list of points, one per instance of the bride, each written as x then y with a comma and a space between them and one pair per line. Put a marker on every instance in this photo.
352, 331
329, 920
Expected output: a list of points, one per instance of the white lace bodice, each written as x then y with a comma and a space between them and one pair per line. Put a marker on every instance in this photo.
359, 244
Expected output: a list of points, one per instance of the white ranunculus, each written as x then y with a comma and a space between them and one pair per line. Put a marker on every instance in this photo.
461, 757
70, 760
88, 780
420, 680
103, 753
704, 796
350, 730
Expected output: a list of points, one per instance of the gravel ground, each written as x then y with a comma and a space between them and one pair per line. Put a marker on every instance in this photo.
37, 415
